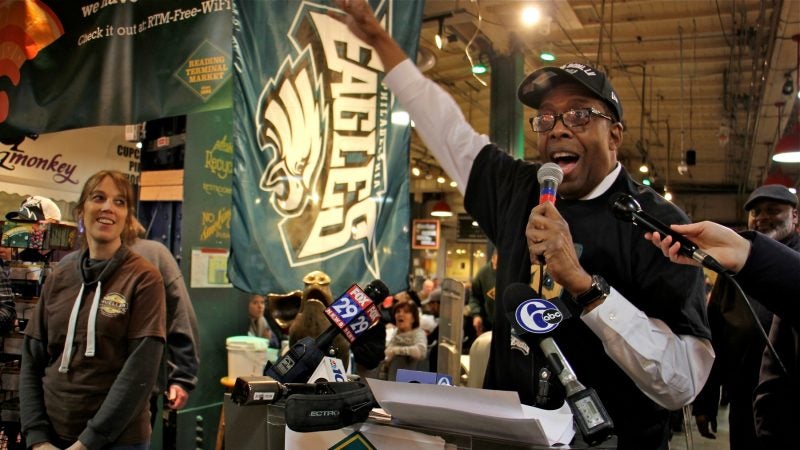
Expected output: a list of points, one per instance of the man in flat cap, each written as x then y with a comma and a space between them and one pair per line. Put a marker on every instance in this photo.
638, 333
738, 343
773, 212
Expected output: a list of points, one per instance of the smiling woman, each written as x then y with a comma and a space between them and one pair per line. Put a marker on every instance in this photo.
93, 346
106, 211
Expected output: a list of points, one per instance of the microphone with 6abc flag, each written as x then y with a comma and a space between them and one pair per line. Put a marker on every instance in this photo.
533, 320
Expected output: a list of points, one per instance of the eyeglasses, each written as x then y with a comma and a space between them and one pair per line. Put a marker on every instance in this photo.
570, 119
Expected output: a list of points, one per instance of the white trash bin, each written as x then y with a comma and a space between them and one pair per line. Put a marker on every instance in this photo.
247, 356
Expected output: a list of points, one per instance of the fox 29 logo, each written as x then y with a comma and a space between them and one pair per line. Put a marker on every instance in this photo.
538, 316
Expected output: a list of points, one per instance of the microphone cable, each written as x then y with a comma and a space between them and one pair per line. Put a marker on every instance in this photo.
729, 276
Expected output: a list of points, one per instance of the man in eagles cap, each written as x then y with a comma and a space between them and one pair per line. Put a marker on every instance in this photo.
638, 333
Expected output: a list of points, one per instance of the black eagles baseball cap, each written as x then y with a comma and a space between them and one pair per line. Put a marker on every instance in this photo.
538, 83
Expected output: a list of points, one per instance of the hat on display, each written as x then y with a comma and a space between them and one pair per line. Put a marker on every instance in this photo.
34, 209
537, 84
775, 192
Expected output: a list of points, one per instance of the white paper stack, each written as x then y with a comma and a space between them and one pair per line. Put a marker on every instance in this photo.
478, 412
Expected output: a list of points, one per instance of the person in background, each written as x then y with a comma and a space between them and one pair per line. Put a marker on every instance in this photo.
738, 344
639, 334
429, 317
408, 347
427, 287
256, 307
482, 297
429, 322
709, 287
6, 255
368, 350
182, 356
93, 346
766, 268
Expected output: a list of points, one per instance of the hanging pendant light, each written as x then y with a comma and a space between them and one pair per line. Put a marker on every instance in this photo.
441, 209
788, 148
440, 35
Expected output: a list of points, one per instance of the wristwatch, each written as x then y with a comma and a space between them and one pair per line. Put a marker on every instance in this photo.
598, 291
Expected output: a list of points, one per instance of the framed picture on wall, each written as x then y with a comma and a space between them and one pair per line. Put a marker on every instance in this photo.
425, 234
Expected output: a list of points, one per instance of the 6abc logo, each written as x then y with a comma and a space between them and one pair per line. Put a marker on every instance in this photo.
538, 316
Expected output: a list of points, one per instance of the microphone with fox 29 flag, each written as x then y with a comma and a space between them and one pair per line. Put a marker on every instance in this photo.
535, 319
351, 314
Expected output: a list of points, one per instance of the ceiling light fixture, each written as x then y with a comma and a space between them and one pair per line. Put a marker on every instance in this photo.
547, 55
787, 150
531, 15
441, 209
788, 85
683, 168
479, 68
438, 38
643, 168
400, 118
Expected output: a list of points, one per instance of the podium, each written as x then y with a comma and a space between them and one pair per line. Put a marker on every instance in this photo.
262, 427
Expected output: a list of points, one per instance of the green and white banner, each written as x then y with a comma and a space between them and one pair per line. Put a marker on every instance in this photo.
78, 63
320, 173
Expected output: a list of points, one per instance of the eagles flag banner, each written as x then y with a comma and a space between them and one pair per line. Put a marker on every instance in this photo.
320, 173
78, 63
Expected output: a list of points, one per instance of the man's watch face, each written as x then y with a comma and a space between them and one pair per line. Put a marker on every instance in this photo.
598, 290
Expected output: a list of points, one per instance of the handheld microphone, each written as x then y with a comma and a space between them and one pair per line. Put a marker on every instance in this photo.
626, 208
550, 176
351, 314
529, 314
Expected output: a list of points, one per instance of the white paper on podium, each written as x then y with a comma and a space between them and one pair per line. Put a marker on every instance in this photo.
483, 412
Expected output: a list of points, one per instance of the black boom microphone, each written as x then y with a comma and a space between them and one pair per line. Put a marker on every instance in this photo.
531, 315
627, 209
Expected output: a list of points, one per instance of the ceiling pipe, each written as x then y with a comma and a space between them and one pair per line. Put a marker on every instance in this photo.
771, 39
